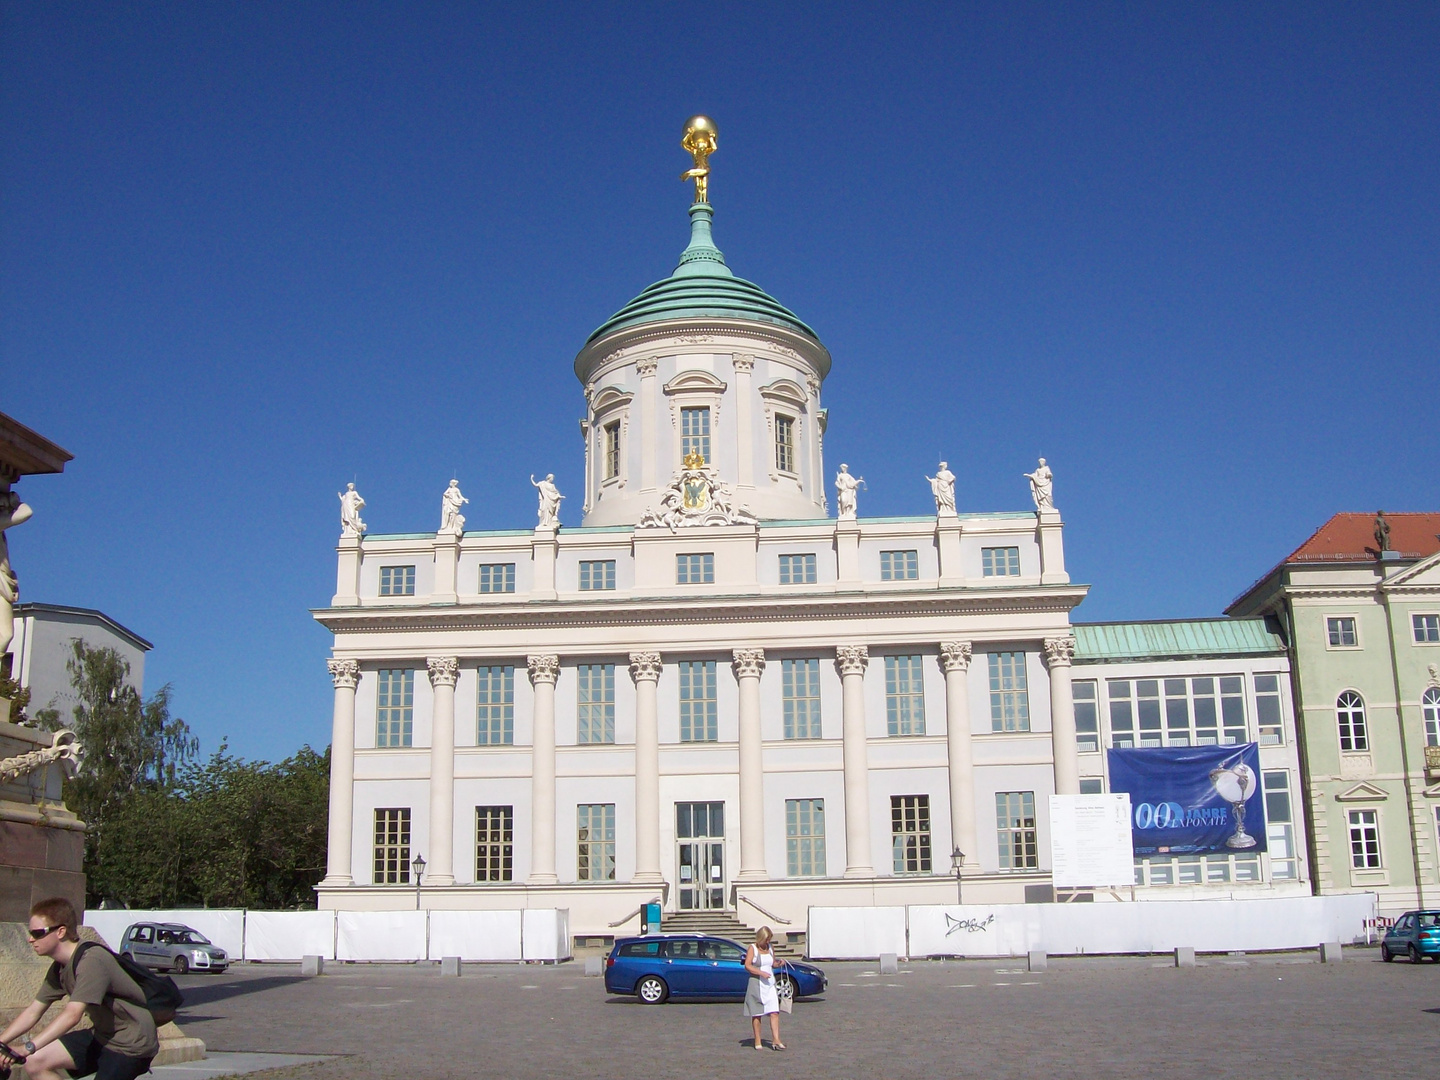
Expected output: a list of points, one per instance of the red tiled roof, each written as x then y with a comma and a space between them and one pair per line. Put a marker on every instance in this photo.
1351, 537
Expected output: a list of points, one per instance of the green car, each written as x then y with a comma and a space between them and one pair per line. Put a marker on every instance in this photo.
1415, 934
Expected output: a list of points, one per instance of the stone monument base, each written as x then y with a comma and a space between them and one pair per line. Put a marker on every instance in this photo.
42, 844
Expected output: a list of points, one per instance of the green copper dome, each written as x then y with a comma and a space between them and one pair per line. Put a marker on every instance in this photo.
702, 286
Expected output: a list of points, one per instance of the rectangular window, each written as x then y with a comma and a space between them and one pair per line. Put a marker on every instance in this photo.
1280, 827
1092, 785
1364, 840
597, 576
904, 695
397, 581
899, 566
392, 846
1201, 711
797, 569
1341, 633
395, 707
1232, 709
1009, 697
497, 577
699, 710
805, 837
494, 843
596, 720
1147, 710
695, 569
1000, 561
1015, 825
785, 444
695, 433
1122, 713
910, 833
595, 841
1267, 710
800, 690
1087, 717
612, 450
495, 707
1427, 629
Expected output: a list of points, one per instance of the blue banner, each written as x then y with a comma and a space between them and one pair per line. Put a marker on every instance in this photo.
1192, 800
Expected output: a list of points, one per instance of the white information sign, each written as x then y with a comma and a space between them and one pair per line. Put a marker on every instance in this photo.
1090, 844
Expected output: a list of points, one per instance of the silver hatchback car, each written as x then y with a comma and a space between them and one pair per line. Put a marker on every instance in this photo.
175, 946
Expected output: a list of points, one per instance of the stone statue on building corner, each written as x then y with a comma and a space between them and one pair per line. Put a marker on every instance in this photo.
942, 486
12, 512
1382, 532
452, 522
845, 488
350, 506
549, 510
1042, 486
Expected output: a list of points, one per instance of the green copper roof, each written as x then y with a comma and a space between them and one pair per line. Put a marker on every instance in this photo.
1183, 639
702, 286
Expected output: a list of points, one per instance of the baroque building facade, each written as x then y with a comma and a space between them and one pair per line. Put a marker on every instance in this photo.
710, 693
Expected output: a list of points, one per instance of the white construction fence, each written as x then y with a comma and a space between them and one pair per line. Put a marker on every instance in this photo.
534, 934
1153, 926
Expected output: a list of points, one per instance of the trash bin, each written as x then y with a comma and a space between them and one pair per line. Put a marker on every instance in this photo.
650, 919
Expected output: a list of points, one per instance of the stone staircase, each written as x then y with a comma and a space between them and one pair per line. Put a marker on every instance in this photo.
723, 924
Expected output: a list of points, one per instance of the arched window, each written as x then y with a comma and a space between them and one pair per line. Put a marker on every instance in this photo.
1350, 715
1430, 706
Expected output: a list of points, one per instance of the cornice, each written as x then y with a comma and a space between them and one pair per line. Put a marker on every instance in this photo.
598, 357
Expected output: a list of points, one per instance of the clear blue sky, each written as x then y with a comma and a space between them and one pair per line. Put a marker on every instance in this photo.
251, 251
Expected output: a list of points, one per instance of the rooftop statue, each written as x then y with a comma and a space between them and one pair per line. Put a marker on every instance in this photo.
1042, 486
942, 486
845, 488
700, 140
1382, 532
451, 520
549, 511
350, 506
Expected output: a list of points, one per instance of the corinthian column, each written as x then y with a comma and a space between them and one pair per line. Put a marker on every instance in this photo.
748, 665
443, 672
544, 670
645, 670
1058, 654
955, 660
346, 674
852, 661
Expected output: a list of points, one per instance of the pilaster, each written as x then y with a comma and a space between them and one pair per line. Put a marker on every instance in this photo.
347, 573
1052, 548
847, 551
447, 557
948, 531
543, 549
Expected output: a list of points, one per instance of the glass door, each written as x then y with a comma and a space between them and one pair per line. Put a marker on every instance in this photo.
700, 840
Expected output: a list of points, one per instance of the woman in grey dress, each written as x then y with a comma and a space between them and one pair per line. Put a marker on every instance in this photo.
761, 996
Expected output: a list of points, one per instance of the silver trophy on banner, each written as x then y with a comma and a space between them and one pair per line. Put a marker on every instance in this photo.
1236, 783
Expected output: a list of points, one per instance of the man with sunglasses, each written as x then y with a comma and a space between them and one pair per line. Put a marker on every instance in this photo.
121, 1040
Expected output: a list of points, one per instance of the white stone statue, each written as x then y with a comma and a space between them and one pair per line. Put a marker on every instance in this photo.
942, 486
451, 520
845, 488
1042, 486
350, 506
549, 510
12, 512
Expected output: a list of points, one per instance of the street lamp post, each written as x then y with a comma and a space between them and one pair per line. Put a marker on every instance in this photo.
418, 866
957, 860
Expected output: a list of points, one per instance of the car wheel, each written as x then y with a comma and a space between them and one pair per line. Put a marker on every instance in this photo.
652, 990
785, 987
1414, 955
181, 965
1386, 954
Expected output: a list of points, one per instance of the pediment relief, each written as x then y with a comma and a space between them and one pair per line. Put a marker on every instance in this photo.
1363, 792
785, 391
691, 382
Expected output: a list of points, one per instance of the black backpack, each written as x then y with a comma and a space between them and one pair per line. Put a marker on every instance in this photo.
162, 996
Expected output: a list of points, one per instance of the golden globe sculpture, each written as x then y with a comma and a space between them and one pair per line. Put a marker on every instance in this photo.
700, 140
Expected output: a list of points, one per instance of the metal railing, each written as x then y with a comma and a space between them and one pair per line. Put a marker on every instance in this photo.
768, 914
637, 911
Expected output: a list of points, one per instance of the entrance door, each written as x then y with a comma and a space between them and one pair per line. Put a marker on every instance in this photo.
700, 837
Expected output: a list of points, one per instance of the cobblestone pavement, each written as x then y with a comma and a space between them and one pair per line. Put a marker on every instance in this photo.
1253, 1017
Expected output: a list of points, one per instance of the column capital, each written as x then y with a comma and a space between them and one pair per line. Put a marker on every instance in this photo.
543, 667
646, 365
444, 670
645, 666
852, 659
741, 362
1059, 651
346, 673
955, 656
748, 663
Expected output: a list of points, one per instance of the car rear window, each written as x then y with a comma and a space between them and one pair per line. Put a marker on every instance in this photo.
640, 948
1430, 918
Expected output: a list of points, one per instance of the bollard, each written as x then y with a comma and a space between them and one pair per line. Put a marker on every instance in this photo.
1038, 960
450, 965
1330, 952
888, 963
312, 965
1184, 957
594, 967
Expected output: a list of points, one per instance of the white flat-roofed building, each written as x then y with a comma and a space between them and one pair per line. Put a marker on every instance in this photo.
709, 693
42, 647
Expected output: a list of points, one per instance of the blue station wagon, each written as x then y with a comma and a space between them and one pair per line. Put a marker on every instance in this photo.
1415, 934
664, 966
